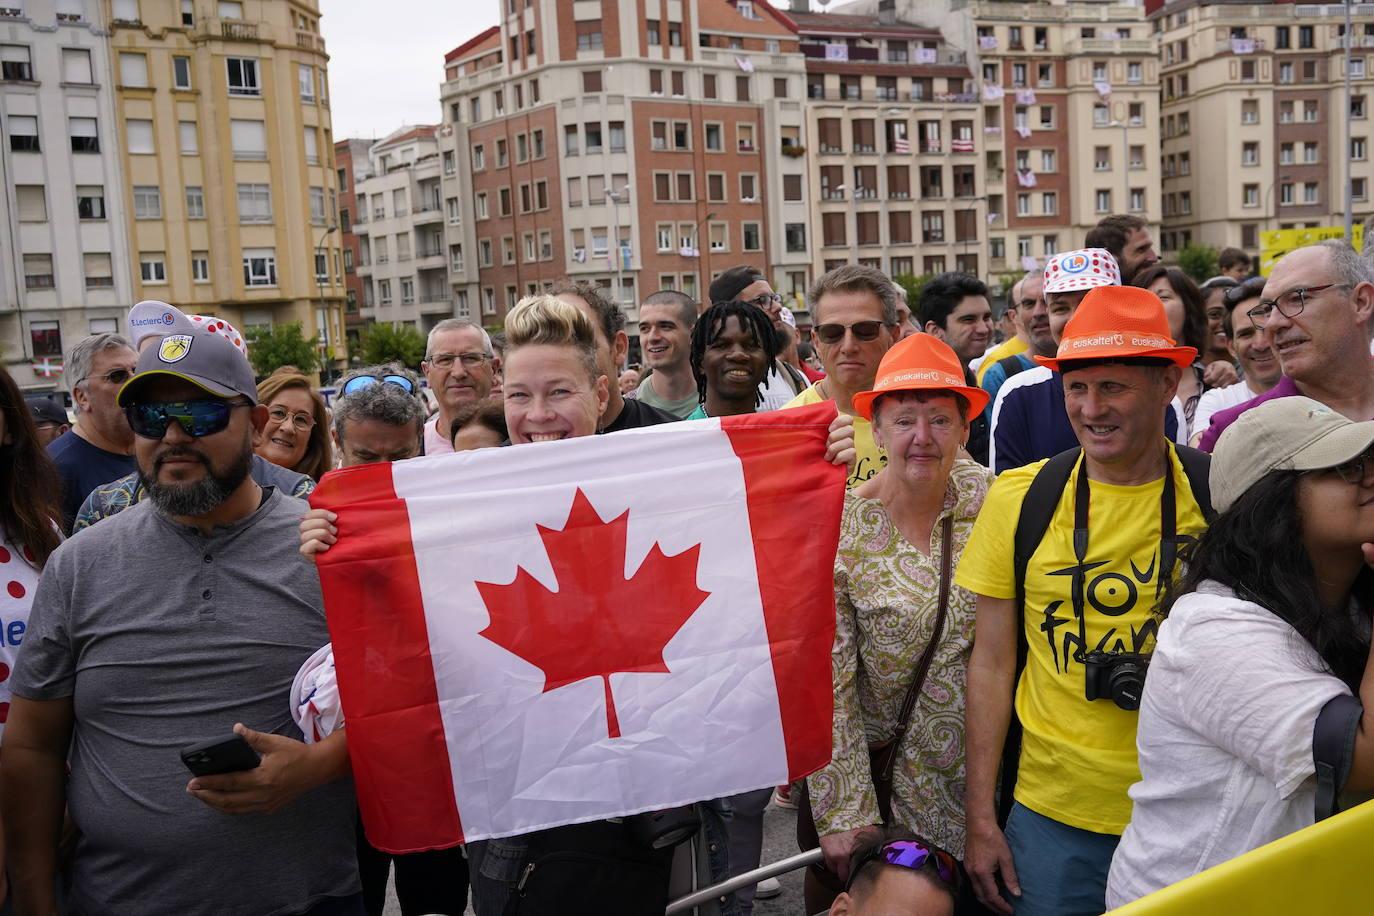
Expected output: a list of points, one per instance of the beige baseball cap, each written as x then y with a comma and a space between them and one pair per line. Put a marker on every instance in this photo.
1285, 434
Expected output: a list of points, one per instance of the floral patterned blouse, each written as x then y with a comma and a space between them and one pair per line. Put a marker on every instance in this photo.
887, 594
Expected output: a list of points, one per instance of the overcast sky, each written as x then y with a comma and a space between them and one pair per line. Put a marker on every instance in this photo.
386, 59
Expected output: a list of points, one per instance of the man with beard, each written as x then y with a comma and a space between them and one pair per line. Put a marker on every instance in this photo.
172, 623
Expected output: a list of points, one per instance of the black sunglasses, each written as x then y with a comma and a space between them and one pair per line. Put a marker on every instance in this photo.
863, 330
202, 417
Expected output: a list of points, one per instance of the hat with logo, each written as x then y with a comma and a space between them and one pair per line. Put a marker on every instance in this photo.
1113, 323
788, 318
1285, 434
1086, 268
205, 358
922, 362
46, 410
153, 318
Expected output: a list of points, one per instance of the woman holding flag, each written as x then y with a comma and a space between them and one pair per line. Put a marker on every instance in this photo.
904, 630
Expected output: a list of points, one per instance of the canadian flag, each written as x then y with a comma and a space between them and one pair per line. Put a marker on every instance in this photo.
568, 631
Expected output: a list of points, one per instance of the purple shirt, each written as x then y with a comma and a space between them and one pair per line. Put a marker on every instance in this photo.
1224, 418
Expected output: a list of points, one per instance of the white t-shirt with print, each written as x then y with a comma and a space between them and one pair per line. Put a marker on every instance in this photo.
18, 579
1225, 741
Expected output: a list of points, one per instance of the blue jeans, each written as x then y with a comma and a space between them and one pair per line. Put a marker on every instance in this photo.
1062, 870
494, 868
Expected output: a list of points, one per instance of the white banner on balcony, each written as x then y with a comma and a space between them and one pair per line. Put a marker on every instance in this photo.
836, 51
926, 55
1103, 88
992, 93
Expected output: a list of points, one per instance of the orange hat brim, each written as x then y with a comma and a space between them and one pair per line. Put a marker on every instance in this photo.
1183, 357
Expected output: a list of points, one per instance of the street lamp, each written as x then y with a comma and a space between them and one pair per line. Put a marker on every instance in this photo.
701, 269
1125, 164
616, 197
319, 287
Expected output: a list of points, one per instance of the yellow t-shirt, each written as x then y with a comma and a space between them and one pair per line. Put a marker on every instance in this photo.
869, 459
1001, 351
1078, 757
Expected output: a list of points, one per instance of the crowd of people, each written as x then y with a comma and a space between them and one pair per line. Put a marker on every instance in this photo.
1103, 572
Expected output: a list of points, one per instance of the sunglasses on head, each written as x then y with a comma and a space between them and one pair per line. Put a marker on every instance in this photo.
914, 855
863, 330
202, 417
367, 381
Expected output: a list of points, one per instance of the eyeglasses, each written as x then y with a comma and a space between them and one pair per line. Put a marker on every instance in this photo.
763, 300
400, 381
913, 855
469, 360
1290, 304
114, 376
1354, 471
303, 422
863, 330
203, 417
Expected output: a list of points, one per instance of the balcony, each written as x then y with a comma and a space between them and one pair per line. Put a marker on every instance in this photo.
233, 30
427, 213
310, 41
364, 270
360, 227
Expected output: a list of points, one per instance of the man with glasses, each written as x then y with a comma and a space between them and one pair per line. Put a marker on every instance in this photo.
99, 447
1033, 319
1317, 312
206, 615
748, 284
895, 874
460, 368
855, 313
1249, 346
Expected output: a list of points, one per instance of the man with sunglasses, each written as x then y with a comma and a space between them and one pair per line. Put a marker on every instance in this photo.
1317, 312
1252, 350
748, 284
460, 368
99, 447
173, 623
855, 313
895, 874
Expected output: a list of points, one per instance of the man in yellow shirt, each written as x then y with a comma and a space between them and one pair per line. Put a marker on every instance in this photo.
1085, 614
854, 310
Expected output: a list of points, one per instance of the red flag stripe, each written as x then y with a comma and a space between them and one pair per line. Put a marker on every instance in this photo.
371, 587
789, 591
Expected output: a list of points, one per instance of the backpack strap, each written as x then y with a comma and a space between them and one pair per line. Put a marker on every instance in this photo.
1037, 511
1011, 365
1333, 750
1197, 467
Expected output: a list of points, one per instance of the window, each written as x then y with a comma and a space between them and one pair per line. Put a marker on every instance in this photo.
1286, 194
260, 268
1102, 158
795, 236
188, 13
745, 133
1357, 107
1306, 36
152, 267
1049, 203
617, 136
1023, 205
1249, 111
14, 63
1250, 195
1137, 200
133, 70
195, 203
679, 83
90, 202
1249, 153
76, 66
591, 80
312, 149
33, 205
502, 155
1136, 114
748, 187
1357, 148
1359, 190
685, 186
1134, 72
1049, 161
570, 140
1103, 201
230, 9
654, 40
248, 138
186, 133
383, 292
1310, 110
305, 79
715, 187
479, 158
407, 290
38, 271
593, 136
255, 203
1309, 192
200, 267
742, 89
317, 206
147, 202
589, 35
84, 135
663, 187
792, 187
1286, 72
243, 76
98, 269
780, 87
480, 205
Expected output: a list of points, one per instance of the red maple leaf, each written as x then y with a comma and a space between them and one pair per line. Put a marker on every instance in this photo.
598, 622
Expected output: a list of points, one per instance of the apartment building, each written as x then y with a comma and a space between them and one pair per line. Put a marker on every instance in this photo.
1255, 119
634, 145
351, 165
897, 176
400, 226
65, 272
224, 125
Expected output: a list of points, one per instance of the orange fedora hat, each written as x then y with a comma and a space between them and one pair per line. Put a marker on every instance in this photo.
1118, 322
921, 363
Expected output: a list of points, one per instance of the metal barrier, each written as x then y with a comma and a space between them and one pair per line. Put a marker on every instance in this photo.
710, 894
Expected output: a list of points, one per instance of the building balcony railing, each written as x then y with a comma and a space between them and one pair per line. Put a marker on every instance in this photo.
238, 31
310, 41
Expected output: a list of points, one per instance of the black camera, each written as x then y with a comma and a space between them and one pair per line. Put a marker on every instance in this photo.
1116, 676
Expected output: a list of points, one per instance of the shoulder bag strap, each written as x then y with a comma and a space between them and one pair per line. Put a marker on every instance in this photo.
923, 665
1333, 750
1197, 468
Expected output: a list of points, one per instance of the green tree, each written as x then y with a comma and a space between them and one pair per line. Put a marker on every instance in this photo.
1199, 262
388, 343
270, 348
912, 286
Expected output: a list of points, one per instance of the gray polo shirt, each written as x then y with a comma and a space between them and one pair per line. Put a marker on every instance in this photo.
163, 637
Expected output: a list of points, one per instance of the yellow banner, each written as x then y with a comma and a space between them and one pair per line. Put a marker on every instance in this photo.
1323, 869
1275, 243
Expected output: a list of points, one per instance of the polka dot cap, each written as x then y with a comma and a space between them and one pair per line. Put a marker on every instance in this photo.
1086, 268
222, 328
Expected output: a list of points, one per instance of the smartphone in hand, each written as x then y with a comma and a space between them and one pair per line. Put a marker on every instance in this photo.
220, 755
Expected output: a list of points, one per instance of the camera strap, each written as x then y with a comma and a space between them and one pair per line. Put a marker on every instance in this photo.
1168, 529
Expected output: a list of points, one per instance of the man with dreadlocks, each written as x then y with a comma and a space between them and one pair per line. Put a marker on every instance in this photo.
733, 346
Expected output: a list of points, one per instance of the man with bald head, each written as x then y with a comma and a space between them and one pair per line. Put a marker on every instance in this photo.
1033, 320
1317, 312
